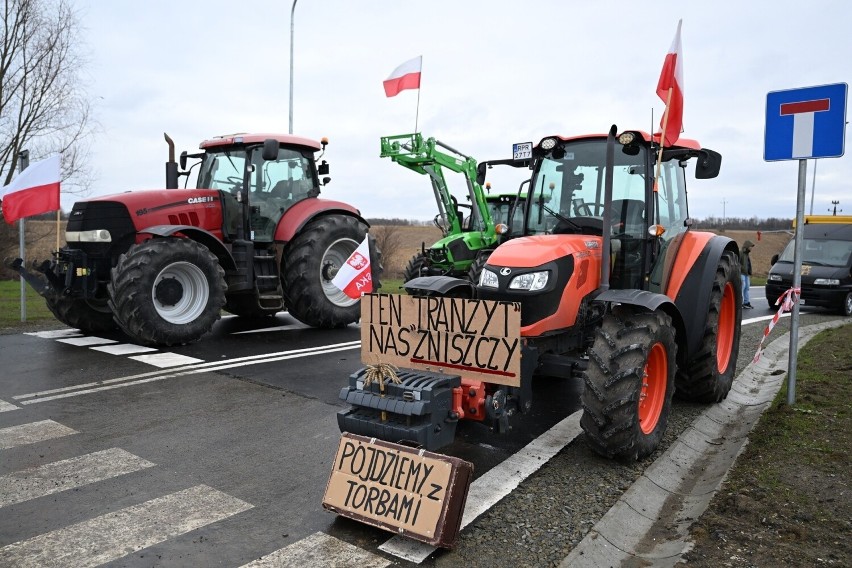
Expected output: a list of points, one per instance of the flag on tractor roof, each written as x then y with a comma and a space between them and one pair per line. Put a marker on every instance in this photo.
354, 277
33, 191
406, 76
670, 90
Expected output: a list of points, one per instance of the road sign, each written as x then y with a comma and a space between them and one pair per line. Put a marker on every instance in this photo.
805, 123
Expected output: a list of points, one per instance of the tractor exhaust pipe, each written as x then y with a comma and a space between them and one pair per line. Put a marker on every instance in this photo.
171, 165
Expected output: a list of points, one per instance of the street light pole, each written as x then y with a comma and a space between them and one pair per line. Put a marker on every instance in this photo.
292, 12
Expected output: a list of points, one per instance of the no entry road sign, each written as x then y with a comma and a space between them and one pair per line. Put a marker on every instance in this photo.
805, 123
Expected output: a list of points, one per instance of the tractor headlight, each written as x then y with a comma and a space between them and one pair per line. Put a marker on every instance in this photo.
827, 282
531, 281
488, 279
92, 236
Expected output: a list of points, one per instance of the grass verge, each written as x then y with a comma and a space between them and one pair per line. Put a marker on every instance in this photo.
10, 305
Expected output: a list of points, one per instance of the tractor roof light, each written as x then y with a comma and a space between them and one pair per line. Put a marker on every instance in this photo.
548, 143
501, 228
626, 138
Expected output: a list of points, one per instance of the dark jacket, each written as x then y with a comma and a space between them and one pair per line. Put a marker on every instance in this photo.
745, 258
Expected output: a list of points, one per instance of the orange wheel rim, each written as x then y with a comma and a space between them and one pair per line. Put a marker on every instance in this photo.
727, 325
654, 383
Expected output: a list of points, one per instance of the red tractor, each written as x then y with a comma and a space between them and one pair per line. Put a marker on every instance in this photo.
614, 288
252, 238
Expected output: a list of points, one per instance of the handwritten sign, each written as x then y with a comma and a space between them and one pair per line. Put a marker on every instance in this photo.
478, 339
405, 490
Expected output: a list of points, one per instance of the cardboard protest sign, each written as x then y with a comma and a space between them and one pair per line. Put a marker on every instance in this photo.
405, 490
479, 339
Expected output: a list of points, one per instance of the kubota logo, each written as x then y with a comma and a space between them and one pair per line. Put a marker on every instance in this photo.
357, 261
505, 271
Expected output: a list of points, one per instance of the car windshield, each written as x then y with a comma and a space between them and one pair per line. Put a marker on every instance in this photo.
820, 252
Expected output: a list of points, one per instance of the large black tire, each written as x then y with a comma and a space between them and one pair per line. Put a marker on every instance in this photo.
309, 264
414, 267
709, 374
85, 315
167, 291
246, 306
629, 383
477, 265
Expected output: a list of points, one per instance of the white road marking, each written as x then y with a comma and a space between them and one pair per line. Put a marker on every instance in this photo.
32, 433
763, 318
277, 328
165, 360
496, 483
109, 384
7, 406
320, 551
117, 534
67, 474
86, 341
123, 349
56, 333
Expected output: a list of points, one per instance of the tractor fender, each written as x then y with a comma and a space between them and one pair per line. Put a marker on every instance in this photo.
693, 295
445, 286
301, 213
651, 301
206, 238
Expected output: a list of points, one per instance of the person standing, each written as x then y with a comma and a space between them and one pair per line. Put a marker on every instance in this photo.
745, 272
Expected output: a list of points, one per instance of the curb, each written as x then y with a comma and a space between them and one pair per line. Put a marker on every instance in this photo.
649, 525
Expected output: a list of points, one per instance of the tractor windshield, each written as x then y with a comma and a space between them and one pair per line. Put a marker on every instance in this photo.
569, 184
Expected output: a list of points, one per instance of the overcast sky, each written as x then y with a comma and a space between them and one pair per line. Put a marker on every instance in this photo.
494, 72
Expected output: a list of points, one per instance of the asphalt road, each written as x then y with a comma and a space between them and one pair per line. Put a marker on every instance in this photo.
211, 454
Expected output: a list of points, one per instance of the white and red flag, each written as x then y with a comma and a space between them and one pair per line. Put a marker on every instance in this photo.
406, 76
35, 190
355, 277
670, 89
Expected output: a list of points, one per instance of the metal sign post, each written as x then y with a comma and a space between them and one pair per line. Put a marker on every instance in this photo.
803, 124
23, 163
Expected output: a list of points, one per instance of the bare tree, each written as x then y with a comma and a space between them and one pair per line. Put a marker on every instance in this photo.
43, 107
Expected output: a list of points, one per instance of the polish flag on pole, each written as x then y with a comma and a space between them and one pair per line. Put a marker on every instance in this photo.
355, 277
406, 76
35, 190
670, 90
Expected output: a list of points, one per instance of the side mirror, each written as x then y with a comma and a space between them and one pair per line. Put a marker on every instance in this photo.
708, 165
183, 160
326, 180
774, 258
322, 169
270, 149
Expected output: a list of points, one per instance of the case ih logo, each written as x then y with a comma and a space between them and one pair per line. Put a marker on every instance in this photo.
206, 199
357, 261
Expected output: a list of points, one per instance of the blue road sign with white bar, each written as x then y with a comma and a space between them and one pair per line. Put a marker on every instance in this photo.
805, 123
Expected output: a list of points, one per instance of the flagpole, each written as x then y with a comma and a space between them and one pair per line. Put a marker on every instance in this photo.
660, 157
417, 112
58, 216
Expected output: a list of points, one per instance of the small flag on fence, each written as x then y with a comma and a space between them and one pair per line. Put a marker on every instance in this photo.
354, 277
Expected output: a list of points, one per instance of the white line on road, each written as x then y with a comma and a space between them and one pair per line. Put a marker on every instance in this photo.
276, 328
32, 433
117, 534
86, 341
97, 386
319, 551
496, 483
7, 406
67, 474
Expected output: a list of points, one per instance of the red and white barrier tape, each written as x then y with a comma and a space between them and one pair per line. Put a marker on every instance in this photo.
786, 301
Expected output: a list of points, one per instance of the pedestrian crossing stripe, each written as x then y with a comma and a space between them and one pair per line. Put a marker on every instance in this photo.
32, 433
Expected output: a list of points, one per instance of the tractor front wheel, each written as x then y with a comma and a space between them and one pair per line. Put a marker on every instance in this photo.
310, 263
415, 267
629, 383
167, 291
710, 373
89, 316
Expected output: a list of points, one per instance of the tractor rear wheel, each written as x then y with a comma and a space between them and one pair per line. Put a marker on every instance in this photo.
629, 383
167, 291
86, 315
710, 373
309, 264
415, 267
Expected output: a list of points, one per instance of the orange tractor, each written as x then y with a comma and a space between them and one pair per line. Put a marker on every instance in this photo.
613, 286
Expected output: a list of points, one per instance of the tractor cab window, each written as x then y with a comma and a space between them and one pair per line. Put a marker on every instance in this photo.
278, 184
222, 170
568, 190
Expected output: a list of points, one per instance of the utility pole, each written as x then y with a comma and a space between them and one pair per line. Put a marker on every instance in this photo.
724, 203
292, 13
836, 203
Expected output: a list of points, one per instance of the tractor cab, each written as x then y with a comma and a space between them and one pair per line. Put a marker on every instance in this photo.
259, 179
